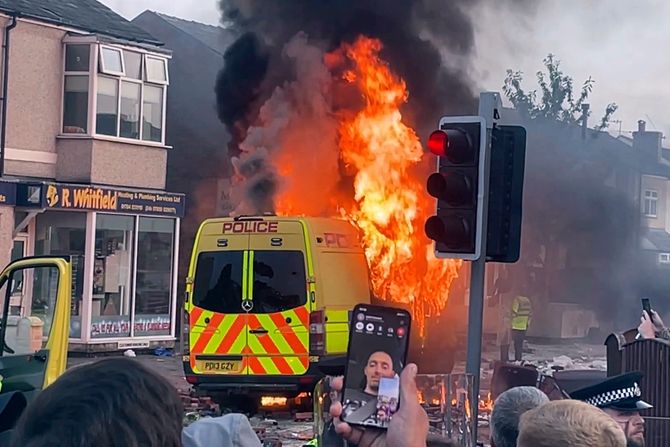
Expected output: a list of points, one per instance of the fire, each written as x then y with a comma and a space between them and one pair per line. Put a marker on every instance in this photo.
390, 205
486, 405
273, 401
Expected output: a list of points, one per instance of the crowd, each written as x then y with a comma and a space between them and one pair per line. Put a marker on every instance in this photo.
117, 402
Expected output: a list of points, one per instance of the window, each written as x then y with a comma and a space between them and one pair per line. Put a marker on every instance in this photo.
111, 61
130, 110
650, 202
218, 282
130, 88
114, 241
108, 99
279, 281
152, 127
153, 288
664, 258
62, 233
156, 70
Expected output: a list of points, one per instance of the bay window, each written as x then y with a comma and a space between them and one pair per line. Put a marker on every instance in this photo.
114, 92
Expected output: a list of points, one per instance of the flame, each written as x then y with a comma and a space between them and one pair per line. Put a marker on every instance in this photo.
273, 401
390, 205
486, 405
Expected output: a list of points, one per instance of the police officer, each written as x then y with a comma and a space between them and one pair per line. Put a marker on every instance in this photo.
620, 397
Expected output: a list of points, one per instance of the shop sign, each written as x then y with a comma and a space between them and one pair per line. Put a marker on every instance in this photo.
7, 193
95, 198
119, 326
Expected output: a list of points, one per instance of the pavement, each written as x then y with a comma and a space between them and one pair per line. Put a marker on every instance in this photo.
294, 434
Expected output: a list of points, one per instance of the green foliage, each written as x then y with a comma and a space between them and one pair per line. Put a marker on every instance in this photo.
556, 98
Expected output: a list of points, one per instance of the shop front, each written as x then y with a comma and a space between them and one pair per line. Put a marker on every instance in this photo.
123, 244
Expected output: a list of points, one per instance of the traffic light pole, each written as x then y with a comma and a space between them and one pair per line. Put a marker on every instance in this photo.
489, 104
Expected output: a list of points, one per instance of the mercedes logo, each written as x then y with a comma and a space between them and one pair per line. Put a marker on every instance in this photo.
247, 305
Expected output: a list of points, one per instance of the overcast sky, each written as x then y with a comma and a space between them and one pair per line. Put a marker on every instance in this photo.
623, 47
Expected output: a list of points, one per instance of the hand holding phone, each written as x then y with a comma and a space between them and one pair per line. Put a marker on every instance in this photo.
378, 344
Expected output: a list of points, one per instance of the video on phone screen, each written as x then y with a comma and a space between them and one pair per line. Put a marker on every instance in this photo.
376, 357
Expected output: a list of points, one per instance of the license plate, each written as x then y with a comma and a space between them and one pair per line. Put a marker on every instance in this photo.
219, 366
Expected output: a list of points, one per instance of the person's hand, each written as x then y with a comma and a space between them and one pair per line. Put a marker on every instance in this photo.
647, 329
656, 319
408, 427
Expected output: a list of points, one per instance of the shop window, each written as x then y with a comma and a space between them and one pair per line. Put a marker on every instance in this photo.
112, 276
279, 281
153, 290
218, 282
64, 234
121, 74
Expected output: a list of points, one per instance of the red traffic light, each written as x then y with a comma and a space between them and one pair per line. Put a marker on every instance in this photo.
438, 143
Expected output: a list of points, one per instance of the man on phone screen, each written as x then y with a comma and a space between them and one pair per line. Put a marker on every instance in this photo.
379, 365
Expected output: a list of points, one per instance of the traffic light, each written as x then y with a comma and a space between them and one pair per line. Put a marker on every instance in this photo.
508, 157
458, 186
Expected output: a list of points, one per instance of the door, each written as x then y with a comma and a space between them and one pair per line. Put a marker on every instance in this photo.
19, 251
278, 327
33, 344
217, 321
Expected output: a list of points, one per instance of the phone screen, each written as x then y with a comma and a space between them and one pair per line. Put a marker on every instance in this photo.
378, 343
646, 305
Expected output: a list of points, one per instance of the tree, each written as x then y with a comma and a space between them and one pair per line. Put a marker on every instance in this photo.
557, 100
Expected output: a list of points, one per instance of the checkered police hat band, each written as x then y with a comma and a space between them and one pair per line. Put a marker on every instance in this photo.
614, 396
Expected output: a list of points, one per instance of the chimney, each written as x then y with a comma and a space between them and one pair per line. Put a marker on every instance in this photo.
648, 143
585, 119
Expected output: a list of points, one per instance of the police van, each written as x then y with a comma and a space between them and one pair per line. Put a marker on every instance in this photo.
268, 302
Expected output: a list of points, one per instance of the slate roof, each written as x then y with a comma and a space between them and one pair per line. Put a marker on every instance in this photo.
215, 37
656, 239
86, 15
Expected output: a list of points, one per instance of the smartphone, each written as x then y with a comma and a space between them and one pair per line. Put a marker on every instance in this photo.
378, 344
646, 306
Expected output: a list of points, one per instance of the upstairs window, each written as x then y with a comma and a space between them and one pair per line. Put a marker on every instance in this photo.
650, 203
129, 88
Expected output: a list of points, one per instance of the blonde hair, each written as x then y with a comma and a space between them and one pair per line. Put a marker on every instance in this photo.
569, 423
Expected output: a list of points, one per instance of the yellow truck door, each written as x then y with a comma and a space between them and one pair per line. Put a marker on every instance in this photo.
34, 333
217, 321
278, 331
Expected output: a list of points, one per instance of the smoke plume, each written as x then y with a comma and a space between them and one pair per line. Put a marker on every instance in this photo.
274, 82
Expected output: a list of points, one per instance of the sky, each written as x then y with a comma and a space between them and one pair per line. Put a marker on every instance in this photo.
621, 44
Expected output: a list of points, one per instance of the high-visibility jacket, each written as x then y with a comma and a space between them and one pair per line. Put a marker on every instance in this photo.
521, 313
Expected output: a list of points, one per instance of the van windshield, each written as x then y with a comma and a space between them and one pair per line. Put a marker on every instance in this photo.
218, 281
280, 282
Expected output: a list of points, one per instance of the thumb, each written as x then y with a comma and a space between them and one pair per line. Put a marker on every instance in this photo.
408, 390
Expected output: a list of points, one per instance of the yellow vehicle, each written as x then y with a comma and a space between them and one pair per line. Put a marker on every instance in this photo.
269, 301
35, 301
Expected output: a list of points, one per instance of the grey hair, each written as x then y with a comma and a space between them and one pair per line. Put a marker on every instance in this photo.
507, 411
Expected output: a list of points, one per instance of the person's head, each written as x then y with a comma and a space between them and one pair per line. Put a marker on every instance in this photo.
621, 398
569, 423
379, 365
111, 402
507, 411
632, 424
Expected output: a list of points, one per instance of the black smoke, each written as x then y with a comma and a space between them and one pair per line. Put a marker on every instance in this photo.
416, 36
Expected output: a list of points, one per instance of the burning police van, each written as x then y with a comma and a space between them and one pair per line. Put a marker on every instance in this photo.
268, 302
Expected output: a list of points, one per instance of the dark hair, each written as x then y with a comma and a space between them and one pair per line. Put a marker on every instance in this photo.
115, 402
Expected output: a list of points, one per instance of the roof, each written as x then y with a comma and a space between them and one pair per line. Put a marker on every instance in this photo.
216, 38
656, 239
86, 15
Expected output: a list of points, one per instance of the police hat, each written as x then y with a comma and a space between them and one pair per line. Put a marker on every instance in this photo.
619, 393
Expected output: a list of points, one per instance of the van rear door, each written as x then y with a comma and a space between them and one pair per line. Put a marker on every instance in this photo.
278, 330
217, 321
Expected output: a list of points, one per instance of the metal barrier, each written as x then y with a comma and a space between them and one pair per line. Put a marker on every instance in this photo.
652, 357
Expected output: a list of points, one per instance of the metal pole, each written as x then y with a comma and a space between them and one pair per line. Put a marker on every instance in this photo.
488, 103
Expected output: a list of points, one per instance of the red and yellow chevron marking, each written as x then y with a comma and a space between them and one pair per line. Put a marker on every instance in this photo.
282, 351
